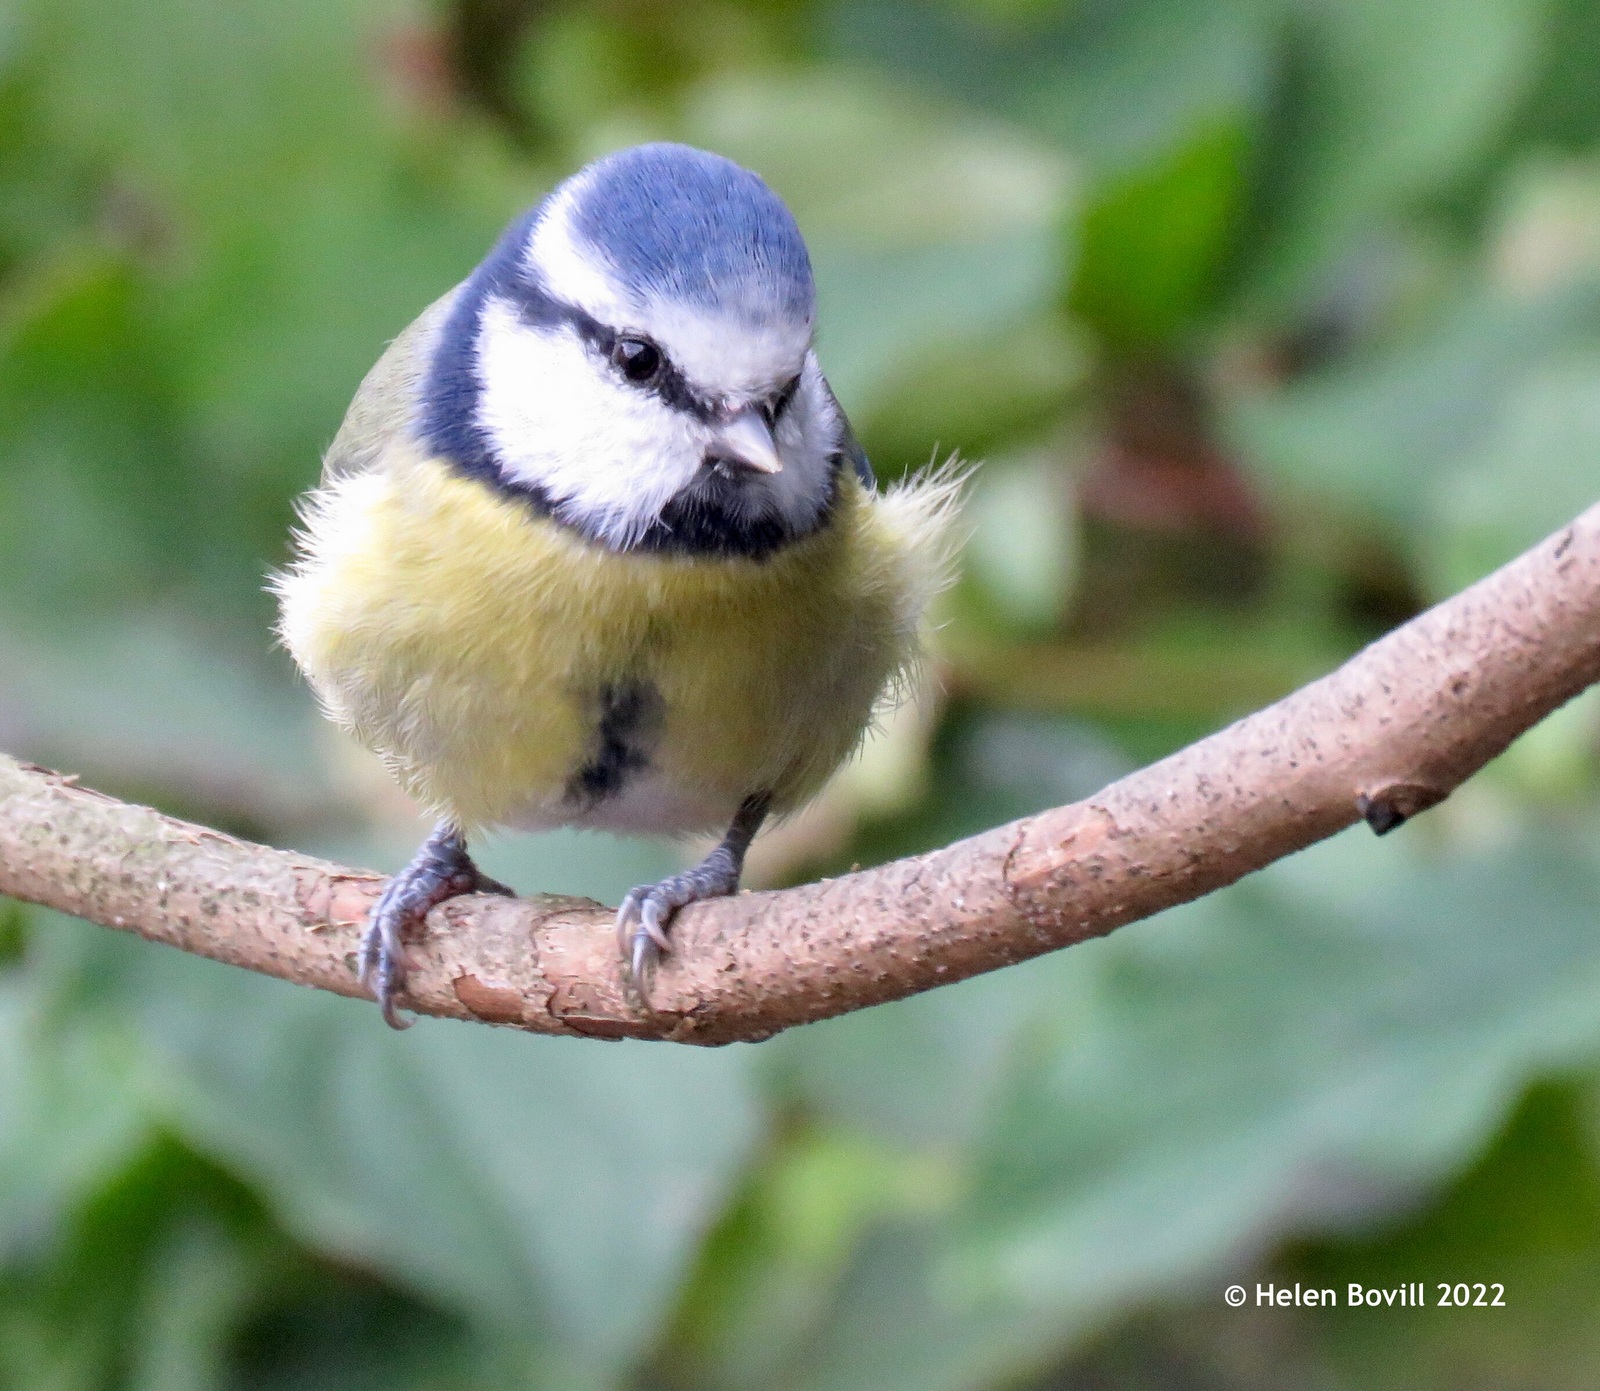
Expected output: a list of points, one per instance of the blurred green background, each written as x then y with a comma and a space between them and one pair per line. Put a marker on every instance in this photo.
1272, 321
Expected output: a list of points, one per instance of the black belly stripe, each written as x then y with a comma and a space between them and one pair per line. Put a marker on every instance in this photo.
628, 721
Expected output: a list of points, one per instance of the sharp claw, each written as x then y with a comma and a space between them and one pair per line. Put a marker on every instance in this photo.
641, 933
383, 972
625, 913
391, 1016
645, 912
650, 920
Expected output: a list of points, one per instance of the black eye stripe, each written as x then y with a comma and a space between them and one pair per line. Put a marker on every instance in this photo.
543, 309
665, 381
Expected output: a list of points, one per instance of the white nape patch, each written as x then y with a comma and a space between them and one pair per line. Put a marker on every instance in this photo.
735, 357
611, 455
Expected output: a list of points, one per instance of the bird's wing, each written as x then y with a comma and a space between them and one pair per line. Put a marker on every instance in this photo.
385, 404
850, 446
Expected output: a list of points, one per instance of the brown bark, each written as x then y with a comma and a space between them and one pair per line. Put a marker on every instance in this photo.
1388, 734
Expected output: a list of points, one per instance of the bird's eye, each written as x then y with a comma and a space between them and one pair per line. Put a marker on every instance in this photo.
638, 359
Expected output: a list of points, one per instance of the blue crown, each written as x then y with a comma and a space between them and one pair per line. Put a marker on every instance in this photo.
681, 223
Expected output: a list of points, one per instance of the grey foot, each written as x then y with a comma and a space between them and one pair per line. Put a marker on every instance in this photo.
642, 920
440, 870
647, 911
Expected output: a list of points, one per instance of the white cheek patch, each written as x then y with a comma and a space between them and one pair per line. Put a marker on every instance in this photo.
610, 456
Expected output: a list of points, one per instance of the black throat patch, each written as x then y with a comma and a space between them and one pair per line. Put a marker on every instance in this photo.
712, 516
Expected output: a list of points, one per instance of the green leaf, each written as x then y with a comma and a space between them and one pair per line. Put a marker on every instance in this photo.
769, 1274
1158, 101
1534, 471
1561, 110
150, 708
74, 1108
1398, 98
1154, 241
551, 1190
1283, 1056
1388, 430
1023, 549
1527, 1217
1246, 1058
1119, 87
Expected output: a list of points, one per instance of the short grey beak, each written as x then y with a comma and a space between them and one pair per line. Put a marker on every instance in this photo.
746, 440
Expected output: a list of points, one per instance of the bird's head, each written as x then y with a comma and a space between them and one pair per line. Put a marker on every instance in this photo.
636, 355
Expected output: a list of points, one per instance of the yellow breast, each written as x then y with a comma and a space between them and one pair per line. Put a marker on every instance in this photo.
482, 650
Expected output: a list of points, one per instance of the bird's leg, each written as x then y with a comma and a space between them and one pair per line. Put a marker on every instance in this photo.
642, 919
441, 869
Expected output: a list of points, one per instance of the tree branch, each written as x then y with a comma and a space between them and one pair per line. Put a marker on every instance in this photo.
1388, 734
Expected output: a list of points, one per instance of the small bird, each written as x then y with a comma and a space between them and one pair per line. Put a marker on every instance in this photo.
595, 545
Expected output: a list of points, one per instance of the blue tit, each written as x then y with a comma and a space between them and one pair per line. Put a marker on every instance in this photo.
595, 545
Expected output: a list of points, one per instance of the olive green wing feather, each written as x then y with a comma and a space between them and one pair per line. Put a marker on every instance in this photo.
383, 412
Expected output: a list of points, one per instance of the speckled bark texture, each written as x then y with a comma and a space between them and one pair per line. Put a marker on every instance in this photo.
1390, 733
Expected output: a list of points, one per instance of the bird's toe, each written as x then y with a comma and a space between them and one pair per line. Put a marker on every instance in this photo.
441, 870
647, 912
383, 962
